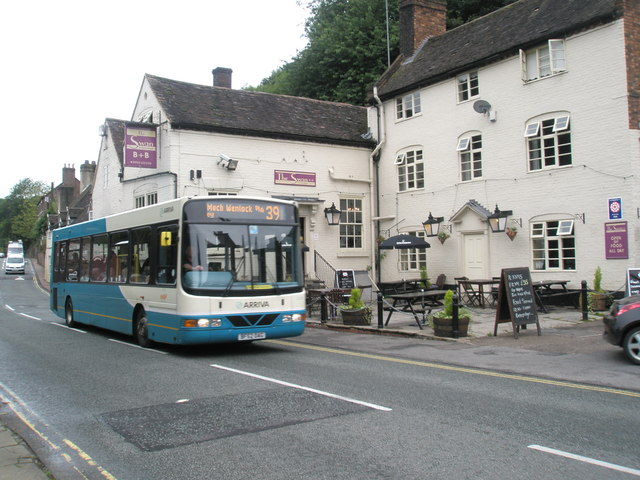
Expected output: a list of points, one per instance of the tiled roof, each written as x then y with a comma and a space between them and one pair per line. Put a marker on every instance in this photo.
500, 34
197, 107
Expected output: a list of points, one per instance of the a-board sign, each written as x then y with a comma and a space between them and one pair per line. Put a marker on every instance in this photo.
345, 279
633, 281
516, 300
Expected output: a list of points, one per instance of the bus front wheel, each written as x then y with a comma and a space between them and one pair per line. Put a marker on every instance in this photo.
68, 314
141, 330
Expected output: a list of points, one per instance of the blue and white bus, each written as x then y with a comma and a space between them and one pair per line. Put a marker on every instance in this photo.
187, 271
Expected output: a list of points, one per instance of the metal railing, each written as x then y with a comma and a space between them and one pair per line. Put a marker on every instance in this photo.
323, 270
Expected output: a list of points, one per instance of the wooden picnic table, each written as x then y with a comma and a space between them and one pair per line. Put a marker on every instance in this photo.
427, 299
545, 289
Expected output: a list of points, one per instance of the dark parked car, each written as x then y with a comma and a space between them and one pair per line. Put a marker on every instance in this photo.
622, 326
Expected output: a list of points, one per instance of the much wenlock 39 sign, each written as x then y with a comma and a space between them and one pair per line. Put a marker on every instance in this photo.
516, 300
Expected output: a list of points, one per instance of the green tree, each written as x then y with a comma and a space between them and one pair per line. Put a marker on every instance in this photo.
463, 11
19, 212
348, 51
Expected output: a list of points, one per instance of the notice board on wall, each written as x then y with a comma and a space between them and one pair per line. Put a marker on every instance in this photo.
516, 300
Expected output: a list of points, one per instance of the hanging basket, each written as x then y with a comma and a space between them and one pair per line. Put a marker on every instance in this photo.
511, 233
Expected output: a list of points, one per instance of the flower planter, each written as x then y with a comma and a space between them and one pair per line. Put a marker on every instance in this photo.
598, 302
442, 327
359, 316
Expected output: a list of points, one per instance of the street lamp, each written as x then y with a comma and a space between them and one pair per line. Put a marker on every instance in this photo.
332, 214
432, 225
498, 220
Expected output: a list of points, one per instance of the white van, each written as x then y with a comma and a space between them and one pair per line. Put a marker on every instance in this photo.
14, 264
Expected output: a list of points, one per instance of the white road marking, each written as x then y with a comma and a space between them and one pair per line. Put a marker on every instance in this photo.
137, 346
29, 316
300, 387
68, 328
592, 461
10, 308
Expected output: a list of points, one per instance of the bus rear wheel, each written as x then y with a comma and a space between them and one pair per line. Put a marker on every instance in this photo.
141, 330
68, 314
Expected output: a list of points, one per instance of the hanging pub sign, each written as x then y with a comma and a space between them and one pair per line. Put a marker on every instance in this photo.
516, 300
140, 146
615, 240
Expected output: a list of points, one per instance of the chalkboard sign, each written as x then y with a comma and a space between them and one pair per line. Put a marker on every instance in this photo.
633, 281
516, 300
345, 279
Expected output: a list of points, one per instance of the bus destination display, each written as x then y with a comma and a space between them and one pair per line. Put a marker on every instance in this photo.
226, 210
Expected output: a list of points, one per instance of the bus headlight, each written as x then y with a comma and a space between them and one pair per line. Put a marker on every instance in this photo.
201, 322
294, 317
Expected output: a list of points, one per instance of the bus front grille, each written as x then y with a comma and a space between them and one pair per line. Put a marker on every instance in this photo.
252, 320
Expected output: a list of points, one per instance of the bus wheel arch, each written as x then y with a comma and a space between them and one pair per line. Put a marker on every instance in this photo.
68, 313
141, 327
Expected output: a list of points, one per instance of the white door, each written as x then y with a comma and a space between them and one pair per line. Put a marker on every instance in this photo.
474, 255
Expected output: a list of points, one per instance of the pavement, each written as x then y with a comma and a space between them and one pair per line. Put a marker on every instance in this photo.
560, 327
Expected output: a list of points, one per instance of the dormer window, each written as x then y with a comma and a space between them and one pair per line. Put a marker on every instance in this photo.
468, 86
408, 106
543, 61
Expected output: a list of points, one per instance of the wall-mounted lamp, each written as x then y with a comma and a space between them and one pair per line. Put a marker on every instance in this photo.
498, 220
432, 225
332, 214
227, 162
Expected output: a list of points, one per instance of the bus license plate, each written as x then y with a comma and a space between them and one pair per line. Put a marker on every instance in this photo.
252, 336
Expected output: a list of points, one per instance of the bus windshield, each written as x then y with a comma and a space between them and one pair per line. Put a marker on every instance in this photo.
241, 259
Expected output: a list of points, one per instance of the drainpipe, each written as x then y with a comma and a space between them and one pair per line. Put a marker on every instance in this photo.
375, 186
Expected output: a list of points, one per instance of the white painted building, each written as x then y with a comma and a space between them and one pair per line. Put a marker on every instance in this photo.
213, 140
534, 109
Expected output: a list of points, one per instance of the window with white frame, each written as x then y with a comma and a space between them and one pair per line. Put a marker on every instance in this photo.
470, 154
147, 199
553, 245
468, 86
411, 259
410, 167
549, 143
351, 224
408, 106
543, 61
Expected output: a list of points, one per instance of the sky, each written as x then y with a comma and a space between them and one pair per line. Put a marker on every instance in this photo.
69, 64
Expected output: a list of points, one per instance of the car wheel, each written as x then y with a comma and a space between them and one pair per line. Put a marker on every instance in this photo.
631, 345
141, 330
68, 314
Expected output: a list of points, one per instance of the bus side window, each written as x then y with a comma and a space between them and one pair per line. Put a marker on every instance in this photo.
167, 254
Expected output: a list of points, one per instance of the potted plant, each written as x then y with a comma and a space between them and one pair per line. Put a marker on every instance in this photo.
442, 236
355, 312
442, 320
425, 283
597, 299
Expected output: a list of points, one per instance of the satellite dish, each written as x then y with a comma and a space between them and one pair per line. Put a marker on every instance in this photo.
481, 106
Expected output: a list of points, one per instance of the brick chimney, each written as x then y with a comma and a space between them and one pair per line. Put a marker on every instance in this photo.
69, 175
87, 172
419, 20
222, 77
